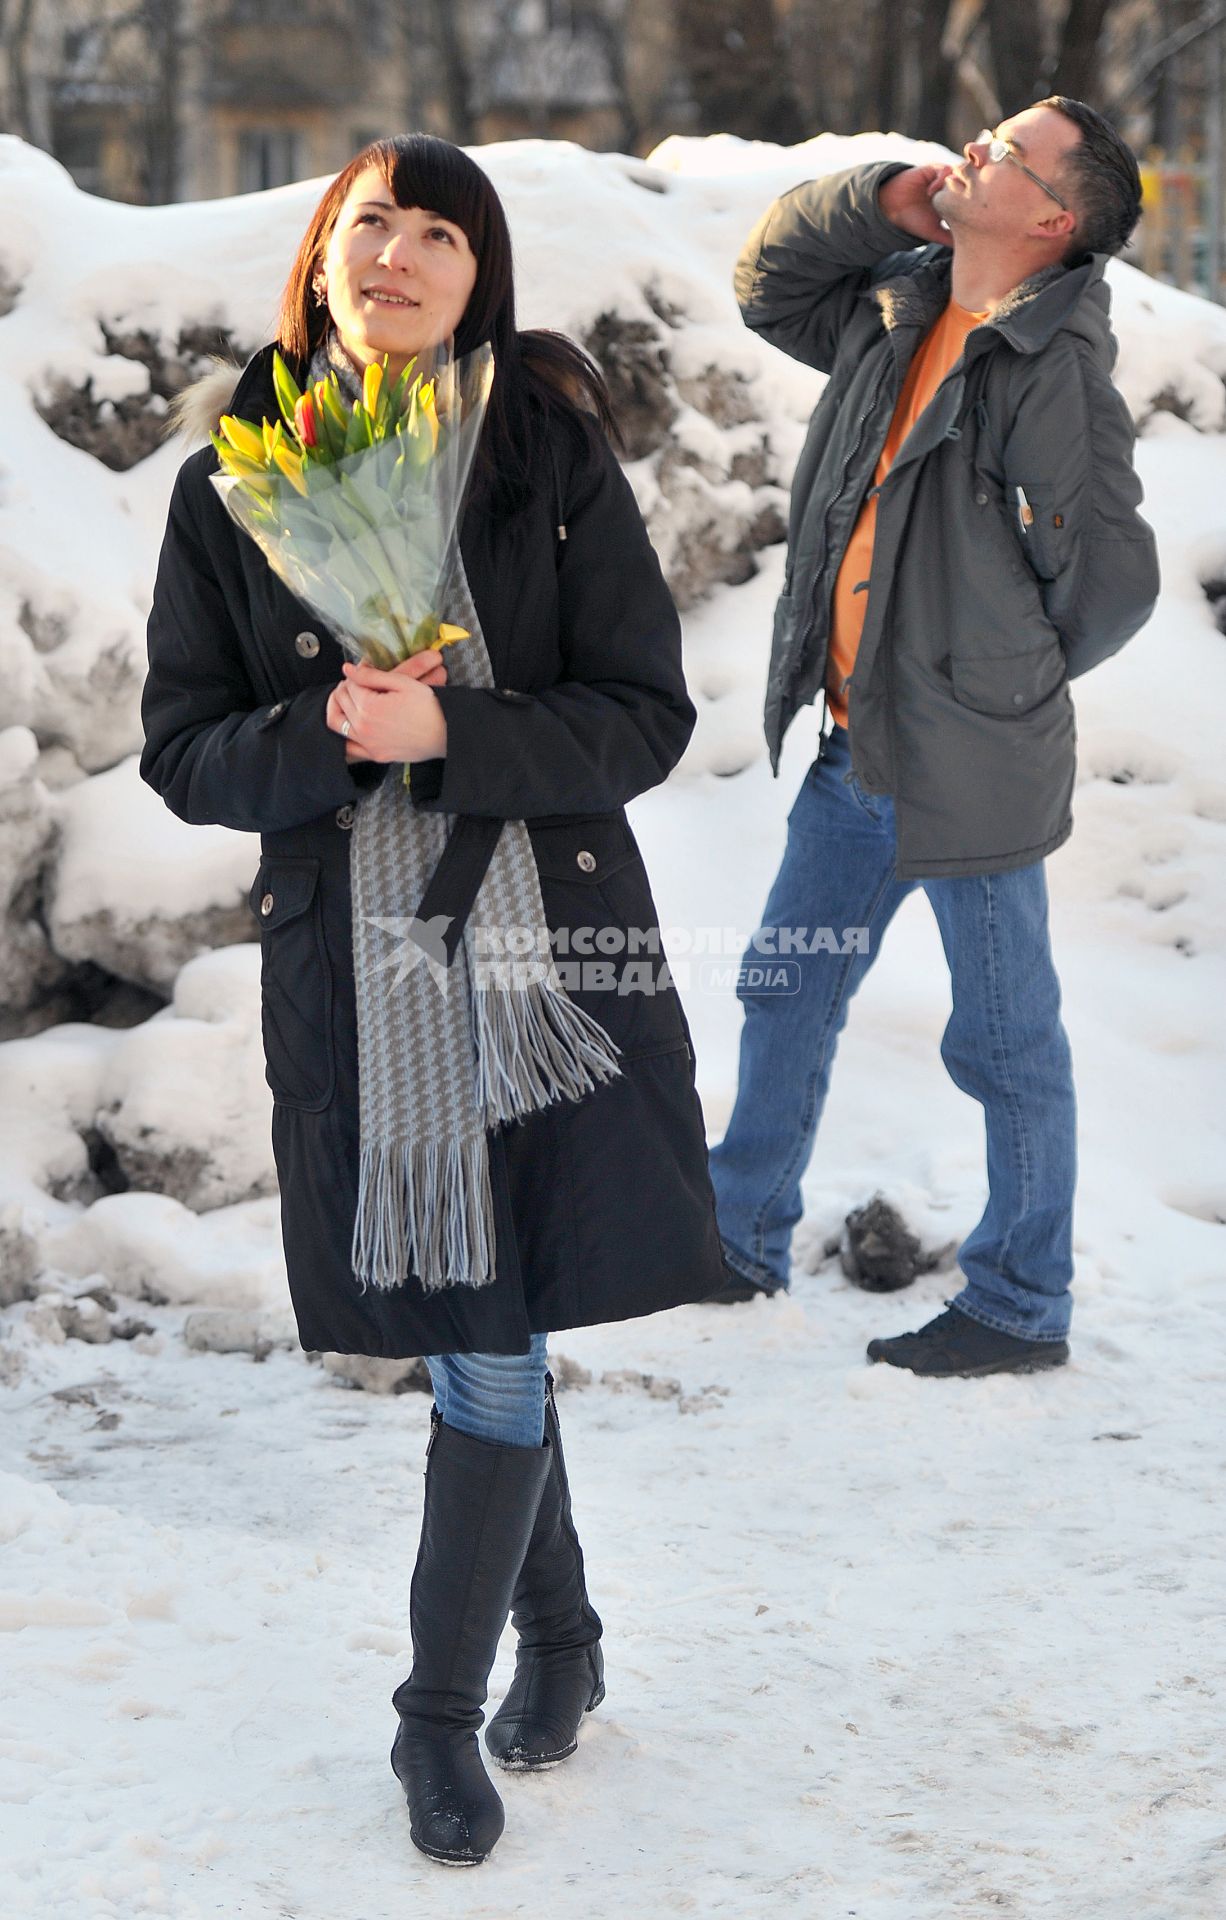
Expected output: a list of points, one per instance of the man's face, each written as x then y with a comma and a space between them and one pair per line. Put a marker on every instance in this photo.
997, 198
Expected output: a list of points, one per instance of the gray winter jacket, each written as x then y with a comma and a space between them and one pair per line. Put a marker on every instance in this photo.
977, 617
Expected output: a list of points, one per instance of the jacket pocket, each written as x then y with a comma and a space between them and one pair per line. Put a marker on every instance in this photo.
1010, 686
295, 984
1044, 538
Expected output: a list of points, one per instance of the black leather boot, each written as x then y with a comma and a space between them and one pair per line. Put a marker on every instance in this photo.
559, 1669
480, 1509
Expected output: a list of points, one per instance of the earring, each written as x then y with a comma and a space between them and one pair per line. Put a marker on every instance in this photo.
320, 291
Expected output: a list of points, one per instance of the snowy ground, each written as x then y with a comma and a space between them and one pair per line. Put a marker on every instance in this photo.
879, 1647
876, 1647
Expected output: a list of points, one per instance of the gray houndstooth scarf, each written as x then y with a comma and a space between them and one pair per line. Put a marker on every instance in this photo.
445, 1053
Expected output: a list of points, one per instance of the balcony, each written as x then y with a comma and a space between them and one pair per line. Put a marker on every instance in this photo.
257, 60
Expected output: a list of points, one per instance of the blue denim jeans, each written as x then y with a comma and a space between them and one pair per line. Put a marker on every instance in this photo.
493, 1396
1004, 1045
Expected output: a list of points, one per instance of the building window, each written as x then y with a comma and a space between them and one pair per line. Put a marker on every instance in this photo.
545, 16
83, 49
261, 13
268, 157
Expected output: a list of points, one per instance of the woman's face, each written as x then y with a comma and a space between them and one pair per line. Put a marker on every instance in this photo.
398, 278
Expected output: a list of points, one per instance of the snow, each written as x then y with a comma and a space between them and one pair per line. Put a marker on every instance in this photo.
18, 755
148, 1243
115, 845
880, 1647
50, 1092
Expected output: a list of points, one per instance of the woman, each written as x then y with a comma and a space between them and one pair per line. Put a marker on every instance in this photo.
600, 1199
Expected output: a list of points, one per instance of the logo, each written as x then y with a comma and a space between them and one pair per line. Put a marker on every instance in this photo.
420, 940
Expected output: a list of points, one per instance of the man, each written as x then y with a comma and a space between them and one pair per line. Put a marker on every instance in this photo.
964, 540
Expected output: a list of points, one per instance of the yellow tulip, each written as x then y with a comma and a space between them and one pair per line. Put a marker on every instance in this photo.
372, 380
243, 437
237, 464
448, 635
425, 400
291, 465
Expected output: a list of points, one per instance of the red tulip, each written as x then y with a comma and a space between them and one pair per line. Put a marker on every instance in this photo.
304, 420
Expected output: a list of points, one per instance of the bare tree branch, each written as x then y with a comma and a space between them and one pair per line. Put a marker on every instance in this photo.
936, 70
454, 70
735, 60
1077, 63
16, 24
1015, 45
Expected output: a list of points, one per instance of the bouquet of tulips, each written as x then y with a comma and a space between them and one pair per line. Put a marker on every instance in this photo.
357, 508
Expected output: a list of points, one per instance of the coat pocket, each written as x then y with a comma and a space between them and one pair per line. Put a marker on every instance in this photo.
1010, 686
606, 936
295, 983
586, 849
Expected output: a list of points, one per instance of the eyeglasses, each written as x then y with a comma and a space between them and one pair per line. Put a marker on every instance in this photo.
999, 150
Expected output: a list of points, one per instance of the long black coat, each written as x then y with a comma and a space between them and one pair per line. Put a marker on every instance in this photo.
604, 1208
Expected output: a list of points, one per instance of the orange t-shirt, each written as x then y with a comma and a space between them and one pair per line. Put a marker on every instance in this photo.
934, 356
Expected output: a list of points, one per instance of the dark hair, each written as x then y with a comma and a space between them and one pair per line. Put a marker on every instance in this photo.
1103, 178
538, 375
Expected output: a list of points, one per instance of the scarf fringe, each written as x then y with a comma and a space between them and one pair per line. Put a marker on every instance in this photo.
425, 1207
533, 1047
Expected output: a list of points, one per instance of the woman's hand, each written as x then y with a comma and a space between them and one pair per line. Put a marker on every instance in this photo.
392, 716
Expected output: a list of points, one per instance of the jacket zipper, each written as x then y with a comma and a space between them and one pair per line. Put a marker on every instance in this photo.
861, 423
831, 574
823, 738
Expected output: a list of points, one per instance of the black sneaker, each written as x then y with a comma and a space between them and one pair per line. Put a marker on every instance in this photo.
955, 1345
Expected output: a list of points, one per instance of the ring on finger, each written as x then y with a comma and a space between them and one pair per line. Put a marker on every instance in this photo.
345, 729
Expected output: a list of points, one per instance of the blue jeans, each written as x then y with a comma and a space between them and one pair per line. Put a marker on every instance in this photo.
1004, 1045
493, 1396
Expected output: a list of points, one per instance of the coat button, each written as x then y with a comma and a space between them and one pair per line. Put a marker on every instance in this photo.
587, 861
981, 499
1018, 699
274, 713
267, 904
345, 816
307, 645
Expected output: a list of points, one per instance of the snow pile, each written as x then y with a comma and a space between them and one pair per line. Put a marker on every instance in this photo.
185, 1105
134, 889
